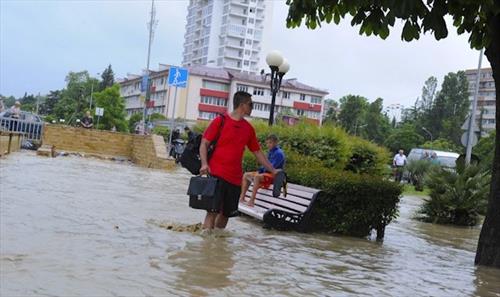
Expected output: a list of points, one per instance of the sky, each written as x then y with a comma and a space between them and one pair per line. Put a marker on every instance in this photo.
41, 41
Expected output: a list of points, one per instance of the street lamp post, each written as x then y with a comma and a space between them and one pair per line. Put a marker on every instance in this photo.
428, 132
279, 67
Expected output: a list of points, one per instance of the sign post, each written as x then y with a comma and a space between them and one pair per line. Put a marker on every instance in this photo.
99, 112
177, 77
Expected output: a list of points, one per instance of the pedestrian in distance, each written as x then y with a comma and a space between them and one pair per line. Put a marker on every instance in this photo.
398, 163
87, 121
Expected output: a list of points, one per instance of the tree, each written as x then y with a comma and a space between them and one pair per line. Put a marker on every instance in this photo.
74, 99
479, 18
352, 112
108, 78
331, 107
114, 109
51, 100
450, 108
377, 124
405, 138
428, 94
442, 144
393, 123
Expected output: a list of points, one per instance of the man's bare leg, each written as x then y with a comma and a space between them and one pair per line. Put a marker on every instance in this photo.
209, 222
256, 184
245, 184
221, 221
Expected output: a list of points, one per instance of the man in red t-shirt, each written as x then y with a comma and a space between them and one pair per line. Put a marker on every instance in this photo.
225, 163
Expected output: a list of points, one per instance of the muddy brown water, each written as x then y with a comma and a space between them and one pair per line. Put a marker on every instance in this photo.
72, 226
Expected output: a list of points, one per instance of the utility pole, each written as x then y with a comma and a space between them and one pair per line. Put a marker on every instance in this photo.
151, 27
37, 102
472, 119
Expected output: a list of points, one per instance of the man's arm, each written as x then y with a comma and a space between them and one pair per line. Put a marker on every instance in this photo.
261, 158
204, 156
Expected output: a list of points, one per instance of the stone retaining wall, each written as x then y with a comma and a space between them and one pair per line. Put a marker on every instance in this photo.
144, 150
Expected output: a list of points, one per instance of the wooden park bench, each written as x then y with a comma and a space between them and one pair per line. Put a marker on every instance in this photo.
283, 213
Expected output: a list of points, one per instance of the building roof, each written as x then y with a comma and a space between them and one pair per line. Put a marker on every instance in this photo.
292, 83
228, 75
210, 72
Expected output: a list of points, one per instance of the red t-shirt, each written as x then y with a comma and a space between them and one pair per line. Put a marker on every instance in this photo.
228, 154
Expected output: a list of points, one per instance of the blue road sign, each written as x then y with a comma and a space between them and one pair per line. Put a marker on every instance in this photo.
144, 83
177, 77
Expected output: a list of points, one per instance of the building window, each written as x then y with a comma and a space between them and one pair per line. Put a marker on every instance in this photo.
258, 92
212, 85
242, 88
250, 31
207, 115
316, 100
248, 41
213, 101
302, 97
285, 95
300, 112
251, 21
247, 52
246, 63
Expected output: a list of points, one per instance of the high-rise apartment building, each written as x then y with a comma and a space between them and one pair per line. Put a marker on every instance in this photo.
485, 114
229, 34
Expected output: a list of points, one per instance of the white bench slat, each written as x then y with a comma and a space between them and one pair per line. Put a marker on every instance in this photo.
256, 211
289, 197
287, 205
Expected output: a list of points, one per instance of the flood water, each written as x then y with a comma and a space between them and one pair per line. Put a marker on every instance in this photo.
72, 226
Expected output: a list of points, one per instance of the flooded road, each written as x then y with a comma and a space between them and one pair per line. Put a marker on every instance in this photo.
71, 226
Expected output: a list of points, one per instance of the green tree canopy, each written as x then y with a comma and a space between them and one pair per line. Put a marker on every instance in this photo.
352, 112
108, 78
114, 109
405, 138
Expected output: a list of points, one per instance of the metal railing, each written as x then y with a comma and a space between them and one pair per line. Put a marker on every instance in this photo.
30, 130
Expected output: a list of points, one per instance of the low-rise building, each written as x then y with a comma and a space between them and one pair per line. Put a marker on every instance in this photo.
210, 90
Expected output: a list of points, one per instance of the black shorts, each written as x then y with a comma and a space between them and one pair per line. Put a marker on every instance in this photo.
227, 196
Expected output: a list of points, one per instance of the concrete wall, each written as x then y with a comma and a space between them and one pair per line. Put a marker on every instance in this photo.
9, 142
144, 150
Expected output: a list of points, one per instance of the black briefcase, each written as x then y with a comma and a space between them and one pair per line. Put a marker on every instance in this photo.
202, 192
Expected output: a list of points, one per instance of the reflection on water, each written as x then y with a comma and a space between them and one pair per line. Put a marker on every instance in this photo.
83, 227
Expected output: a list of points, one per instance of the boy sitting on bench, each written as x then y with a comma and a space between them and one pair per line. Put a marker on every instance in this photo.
262, 178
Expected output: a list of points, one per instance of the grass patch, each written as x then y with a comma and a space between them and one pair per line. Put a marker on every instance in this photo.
409, 190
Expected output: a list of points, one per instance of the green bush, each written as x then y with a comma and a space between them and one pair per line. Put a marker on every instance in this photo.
456, 198
352, 204
134, 119
163, 131
157, 117
335, 148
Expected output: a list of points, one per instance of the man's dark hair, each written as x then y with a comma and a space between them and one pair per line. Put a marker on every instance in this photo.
241, 97
272, 137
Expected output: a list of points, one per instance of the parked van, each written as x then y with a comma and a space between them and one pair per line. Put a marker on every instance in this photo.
445, 159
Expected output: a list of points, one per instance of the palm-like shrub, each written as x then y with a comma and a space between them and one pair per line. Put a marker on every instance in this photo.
456, 197
417, 170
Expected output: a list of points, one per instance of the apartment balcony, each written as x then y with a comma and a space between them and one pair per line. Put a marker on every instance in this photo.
238, 12
241, 3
